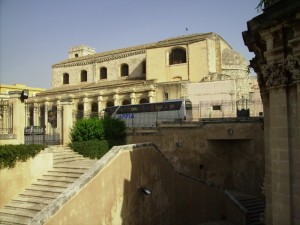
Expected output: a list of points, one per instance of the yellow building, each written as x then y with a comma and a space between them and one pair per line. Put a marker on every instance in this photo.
181, 67
8, 89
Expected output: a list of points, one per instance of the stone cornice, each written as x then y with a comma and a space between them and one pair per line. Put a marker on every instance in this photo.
98, 59
125, 52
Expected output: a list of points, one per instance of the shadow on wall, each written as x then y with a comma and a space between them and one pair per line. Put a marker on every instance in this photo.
174, 198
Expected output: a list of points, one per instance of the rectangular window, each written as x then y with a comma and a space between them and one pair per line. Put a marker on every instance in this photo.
216, 107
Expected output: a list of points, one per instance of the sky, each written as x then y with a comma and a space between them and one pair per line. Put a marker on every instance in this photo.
35, 34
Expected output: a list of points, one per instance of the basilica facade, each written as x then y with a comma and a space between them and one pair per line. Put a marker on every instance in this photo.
200, 67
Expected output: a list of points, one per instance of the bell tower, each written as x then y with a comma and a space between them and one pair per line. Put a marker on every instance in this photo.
80, 50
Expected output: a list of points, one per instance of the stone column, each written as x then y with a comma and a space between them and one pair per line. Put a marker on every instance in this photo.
86, 107
268, 161
18, 118
46, 116
100, 105
59, 118
296, 162
279, 156
132, 98
36, 114
116, 99
67, 122
151, 96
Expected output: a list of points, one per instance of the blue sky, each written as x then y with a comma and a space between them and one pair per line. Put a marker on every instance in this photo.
35, 34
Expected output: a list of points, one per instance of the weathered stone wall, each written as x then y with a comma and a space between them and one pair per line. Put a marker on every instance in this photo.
274, 38
14, 181
111, 194
93, 70
212, 153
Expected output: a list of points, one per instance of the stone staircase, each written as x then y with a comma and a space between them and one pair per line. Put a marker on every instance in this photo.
254, 207
68, 166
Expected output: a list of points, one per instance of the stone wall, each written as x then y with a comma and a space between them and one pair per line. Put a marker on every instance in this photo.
212, 153
110, 193
14, 181
274, 38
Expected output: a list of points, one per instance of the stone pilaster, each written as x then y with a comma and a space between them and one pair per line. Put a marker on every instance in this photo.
116, 99
279, 156
132, 98
86, 107
18, 127
100, 104
67, 122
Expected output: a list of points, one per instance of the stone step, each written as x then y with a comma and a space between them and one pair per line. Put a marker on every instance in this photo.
68, 170
25, 205
17, 220
60, 178
35, 193
40, 187
19, 212
62, 174
65, 153
52, 184
31, 199
78, 165
63, 161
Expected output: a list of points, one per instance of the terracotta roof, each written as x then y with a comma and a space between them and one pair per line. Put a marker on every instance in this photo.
103, 56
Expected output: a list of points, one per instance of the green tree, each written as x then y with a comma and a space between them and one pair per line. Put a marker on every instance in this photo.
264, 3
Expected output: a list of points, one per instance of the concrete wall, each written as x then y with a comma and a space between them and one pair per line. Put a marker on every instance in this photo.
213, 154
112, 197
14, 181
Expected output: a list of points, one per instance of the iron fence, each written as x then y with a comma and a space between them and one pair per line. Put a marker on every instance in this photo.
43, 124
243, 108
6, 117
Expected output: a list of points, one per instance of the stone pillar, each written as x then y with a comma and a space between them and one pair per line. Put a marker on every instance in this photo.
151, 96
46, 104
296, 162
36, 114
100, 105
268, 160
86, 107
67, 122
18, 118
116, 99
132, 98
279, 156
59, 118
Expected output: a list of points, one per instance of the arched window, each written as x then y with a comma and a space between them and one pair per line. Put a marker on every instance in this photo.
76, 55
144, 100
66, 78
94, 109
177, 56
126, 102
80, 111
124, 70
83, 76
109, 103
103, 73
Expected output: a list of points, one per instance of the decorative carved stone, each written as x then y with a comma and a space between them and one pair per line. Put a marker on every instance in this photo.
277, 74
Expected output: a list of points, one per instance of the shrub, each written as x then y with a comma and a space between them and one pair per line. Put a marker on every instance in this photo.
114, 129
94, 137
87, 129
91, 149
10, 154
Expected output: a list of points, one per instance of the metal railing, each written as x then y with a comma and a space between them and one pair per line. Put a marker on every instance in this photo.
6, 117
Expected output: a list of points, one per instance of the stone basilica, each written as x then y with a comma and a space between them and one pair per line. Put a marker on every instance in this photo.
201, 67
